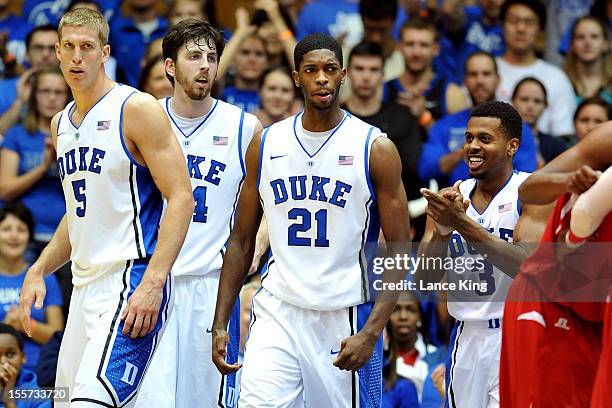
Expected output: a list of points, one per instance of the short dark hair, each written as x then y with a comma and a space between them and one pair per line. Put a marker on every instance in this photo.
317, 41
535, 81
20, 211
593, 100
191, 30
477, 54
8, 329
511, 122
367, 49
378, 9
416, 23
39, 29
535, 5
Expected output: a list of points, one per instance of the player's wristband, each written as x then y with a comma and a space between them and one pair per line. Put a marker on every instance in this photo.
425, 118
285, 35
572, 240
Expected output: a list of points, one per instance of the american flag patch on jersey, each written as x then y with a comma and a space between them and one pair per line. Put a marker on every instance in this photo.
220, 140
103, 125
505, 207
345, 160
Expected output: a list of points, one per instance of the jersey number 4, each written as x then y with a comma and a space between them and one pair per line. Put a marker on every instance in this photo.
200, 209
304, 224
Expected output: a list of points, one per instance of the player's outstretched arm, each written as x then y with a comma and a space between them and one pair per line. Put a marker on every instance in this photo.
572, 171
151, 141
385, 173
55, 254
237, 260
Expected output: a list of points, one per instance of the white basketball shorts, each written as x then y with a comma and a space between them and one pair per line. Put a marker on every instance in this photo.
289, 355
100, 366
472, 366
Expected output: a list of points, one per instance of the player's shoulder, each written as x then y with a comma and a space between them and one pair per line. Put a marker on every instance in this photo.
466, 186
163, 102
282, 126
356, 124
519, 177
228, 110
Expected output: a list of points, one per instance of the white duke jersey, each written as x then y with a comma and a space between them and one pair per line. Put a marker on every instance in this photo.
215, 153
113, 207
321, 211
483, 298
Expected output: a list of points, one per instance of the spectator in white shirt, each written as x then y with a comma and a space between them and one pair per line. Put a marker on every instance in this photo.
522, 20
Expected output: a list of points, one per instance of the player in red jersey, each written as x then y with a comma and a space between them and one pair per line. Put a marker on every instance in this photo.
551, 342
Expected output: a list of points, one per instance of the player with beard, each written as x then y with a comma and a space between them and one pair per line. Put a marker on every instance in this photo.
475, 220
325, 182
214, 136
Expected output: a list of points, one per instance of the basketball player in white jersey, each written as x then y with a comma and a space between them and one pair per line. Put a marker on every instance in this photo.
117, 158
324, 180
214, 136
473, 222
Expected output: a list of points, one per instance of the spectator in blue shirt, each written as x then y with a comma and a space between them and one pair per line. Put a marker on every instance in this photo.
15, 231
468, 29
15, 92
13, 374
17, 29
427, 94
338, 18
250, 63
442, 154
27, 159
130, 34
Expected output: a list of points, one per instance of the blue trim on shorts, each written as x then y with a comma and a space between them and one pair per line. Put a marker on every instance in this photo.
228, 392
453, 345
370, 375
127, 359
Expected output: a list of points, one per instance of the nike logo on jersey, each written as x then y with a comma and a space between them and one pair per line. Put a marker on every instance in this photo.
208, 330
276, 157
332, 352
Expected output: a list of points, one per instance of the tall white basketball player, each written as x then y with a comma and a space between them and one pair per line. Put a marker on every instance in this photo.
117, 157
325, 181
475, 221
214, 136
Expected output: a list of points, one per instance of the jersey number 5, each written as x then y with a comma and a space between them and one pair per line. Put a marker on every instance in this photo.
305, 222
78, 186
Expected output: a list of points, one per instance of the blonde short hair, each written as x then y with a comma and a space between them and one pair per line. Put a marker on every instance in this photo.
84, 17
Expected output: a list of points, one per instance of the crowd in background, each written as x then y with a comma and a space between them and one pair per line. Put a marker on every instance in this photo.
415, 68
